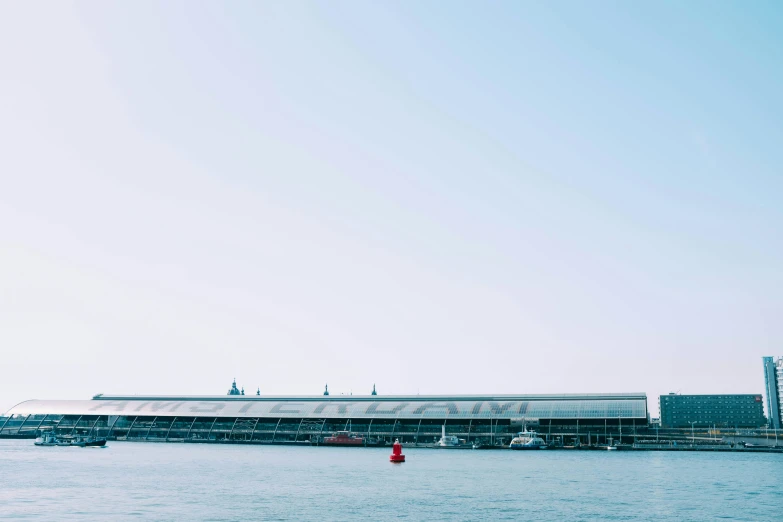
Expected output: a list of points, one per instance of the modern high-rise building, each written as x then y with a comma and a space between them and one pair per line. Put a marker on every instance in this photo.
773, 389
779, 371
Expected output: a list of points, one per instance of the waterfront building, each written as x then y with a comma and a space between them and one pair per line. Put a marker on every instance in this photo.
492, 419
773, 389
722, 411
779, 367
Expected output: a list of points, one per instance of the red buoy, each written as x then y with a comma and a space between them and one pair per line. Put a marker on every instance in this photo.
397, 455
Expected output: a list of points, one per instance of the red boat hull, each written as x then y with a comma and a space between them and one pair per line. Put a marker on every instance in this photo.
342, 440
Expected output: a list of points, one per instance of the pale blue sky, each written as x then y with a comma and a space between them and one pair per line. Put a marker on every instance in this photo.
437, 197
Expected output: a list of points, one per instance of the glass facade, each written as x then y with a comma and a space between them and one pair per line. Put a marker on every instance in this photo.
253, 430
773, 391
380, 420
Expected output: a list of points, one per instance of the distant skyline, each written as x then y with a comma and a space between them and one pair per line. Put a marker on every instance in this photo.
436, 198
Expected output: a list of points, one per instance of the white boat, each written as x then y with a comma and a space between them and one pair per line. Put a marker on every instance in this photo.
527, 440
450, 441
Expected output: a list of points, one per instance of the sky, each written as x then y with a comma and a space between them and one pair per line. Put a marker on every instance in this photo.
433, 197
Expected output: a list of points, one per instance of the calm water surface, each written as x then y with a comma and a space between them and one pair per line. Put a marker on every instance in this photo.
215, 482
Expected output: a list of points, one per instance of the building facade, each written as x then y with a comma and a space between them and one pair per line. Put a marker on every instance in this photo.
773, 390
721, 411
779, 368
308, 419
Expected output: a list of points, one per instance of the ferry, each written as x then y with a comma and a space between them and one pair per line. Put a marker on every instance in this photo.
527, 440
344, 438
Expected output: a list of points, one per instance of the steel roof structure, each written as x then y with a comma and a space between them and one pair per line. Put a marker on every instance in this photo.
588, 406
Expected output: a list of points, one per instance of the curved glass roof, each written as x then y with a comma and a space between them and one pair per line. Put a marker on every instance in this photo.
474, 407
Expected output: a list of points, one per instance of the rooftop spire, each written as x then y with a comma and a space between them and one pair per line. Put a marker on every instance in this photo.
234, 390
326, 390
373, 390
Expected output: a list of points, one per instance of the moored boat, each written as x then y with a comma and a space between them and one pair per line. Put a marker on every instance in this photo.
527, 440
451, 441
344, 438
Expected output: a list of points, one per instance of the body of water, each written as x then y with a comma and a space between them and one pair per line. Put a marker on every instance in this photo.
159, 481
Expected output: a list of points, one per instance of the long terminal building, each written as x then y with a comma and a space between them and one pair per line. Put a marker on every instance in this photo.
417, 419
